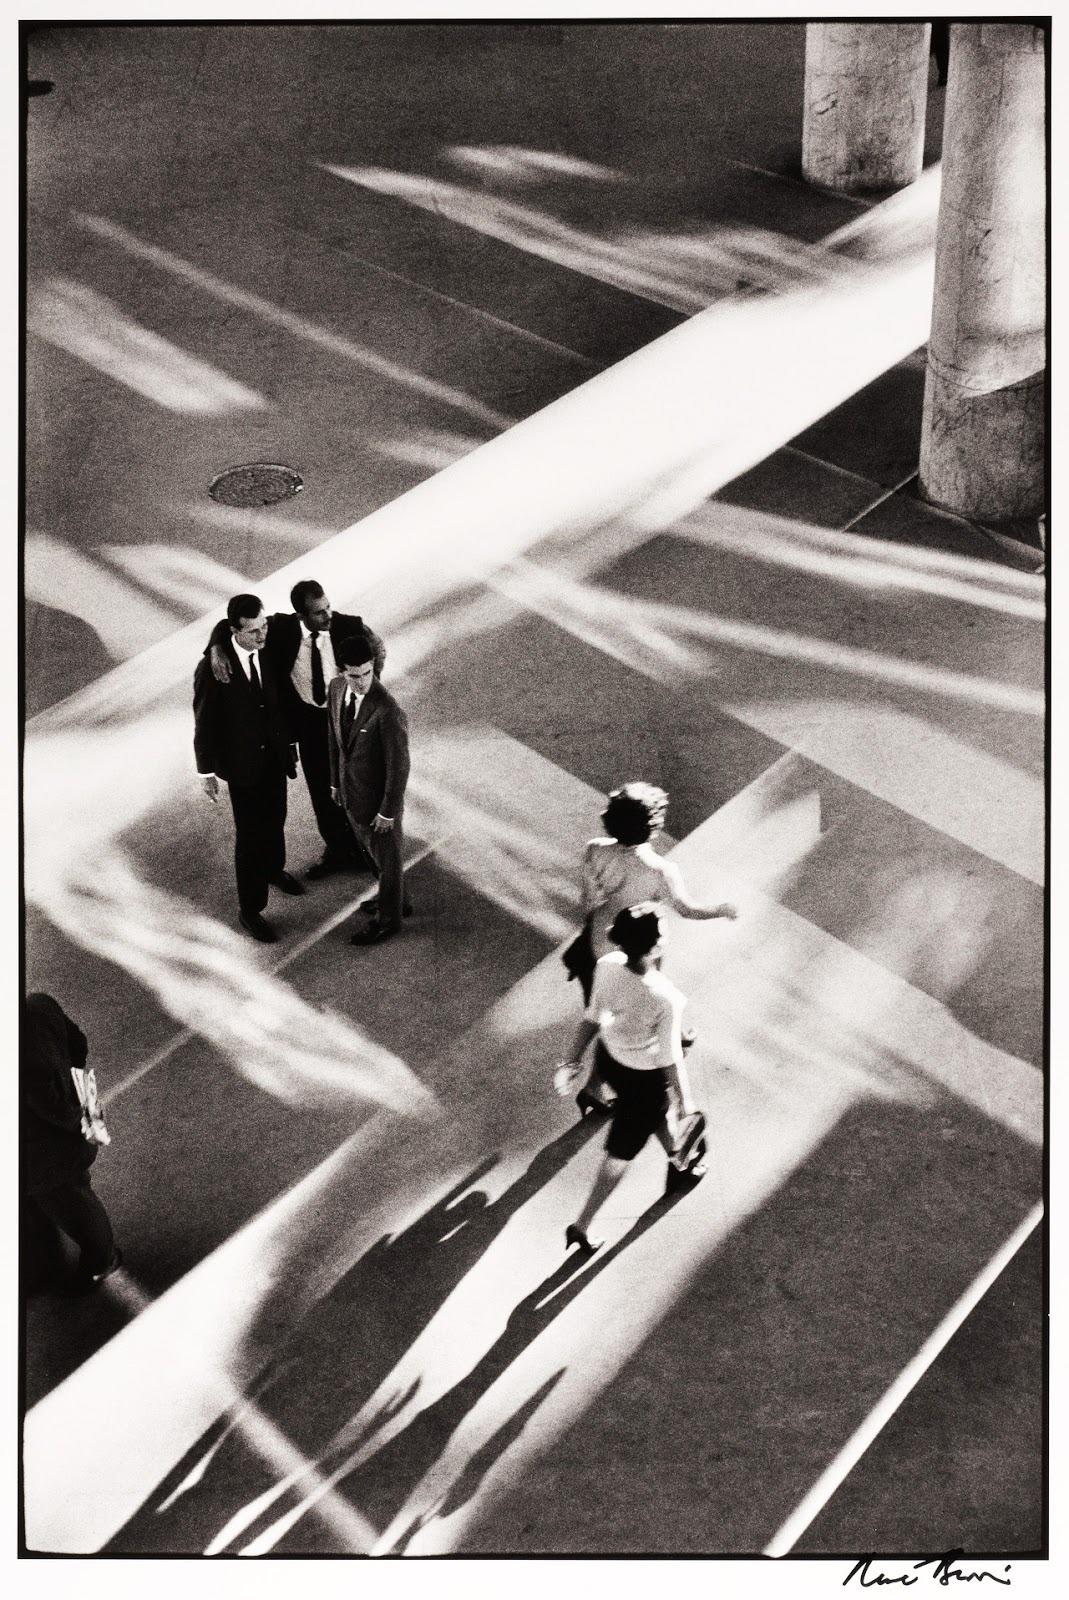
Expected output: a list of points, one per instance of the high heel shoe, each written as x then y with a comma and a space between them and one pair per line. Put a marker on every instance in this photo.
590, 1104
586, 1245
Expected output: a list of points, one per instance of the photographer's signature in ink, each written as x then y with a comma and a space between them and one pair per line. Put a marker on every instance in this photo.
941, 1568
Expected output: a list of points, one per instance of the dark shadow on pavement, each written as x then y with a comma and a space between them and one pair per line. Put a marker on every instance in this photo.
380, 1486
336, 1356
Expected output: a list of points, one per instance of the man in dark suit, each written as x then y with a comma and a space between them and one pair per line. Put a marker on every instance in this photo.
301, 653
368, 734
241, 736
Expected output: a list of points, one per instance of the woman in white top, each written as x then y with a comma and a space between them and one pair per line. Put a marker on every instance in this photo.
636, 1014
624, 870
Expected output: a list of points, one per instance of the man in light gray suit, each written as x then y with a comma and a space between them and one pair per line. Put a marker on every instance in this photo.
368, 735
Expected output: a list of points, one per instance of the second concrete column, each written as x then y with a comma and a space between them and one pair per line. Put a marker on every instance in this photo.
866, 89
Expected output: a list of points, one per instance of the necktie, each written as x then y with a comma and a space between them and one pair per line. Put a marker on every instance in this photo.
348, 712
254, 682
319, 687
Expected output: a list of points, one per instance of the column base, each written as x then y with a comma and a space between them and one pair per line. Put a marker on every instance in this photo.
982, 454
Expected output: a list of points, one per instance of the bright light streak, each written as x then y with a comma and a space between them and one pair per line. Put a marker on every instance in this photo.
512, 837
665, 639
902, 222
989, 804
294, 324
186, 576
522, 165
427, 447
684, 272
791, 1531
59, 576
86, 325
201, 973
862, 561
251, 521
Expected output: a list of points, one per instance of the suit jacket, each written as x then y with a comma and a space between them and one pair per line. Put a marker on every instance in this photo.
53, 1148
284, 642
369, 761
233, 736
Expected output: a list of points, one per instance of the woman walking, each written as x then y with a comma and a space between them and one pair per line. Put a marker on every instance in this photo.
619, 871
636, 1014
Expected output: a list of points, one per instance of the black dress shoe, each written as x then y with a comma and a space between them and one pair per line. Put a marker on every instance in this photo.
372, 907
259, 927
328, 864
86, 1282
287, 883
576, 1236
374, 933
680, 1182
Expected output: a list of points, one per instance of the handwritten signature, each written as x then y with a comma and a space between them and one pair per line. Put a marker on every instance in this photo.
943, 1571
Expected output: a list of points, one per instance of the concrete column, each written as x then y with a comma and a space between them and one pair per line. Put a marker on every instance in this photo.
866, 90
982, 440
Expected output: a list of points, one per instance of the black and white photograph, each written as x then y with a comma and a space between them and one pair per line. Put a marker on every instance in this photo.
535, 797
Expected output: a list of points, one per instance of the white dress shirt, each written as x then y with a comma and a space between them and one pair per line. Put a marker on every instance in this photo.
245, 657
301, 676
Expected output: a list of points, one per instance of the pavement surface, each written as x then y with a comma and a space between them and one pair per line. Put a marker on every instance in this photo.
609, 424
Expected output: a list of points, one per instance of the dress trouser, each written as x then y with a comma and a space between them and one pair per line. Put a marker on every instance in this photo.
313, 744
259, 835
385, 850
75, 1209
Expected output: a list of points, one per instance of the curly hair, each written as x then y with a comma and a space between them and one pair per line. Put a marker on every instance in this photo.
637, 929
635, 812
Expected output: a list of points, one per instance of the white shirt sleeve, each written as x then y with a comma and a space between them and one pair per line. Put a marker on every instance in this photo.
673, 882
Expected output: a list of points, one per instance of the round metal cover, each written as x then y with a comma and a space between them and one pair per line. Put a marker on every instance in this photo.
261, 483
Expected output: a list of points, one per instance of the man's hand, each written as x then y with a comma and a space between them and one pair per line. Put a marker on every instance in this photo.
219, 664
381, 824
334, 795
211, 787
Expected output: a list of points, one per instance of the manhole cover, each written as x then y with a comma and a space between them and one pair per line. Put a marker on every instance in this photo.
259, 484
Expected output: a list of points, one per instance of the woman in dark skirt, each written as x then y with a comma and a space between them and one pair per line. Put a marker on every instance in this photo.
636, 1014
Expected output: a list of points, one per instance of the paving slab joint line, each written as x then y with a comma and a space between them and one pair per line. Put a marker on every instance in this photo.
450, 300
829, 466
888, 494
798, 182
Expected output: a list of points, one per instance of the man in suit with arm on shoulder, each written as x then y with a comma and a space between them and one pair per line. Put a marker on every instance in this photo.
301, 653
241, 737
369, 765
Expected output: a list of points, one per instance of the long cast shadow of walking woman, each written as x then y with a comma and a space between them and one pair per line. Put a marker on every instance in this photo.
332, 1361
382, 1483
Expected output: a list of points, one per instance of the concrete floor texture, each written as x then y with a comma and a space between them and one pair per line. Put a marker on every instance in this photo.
609, 423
